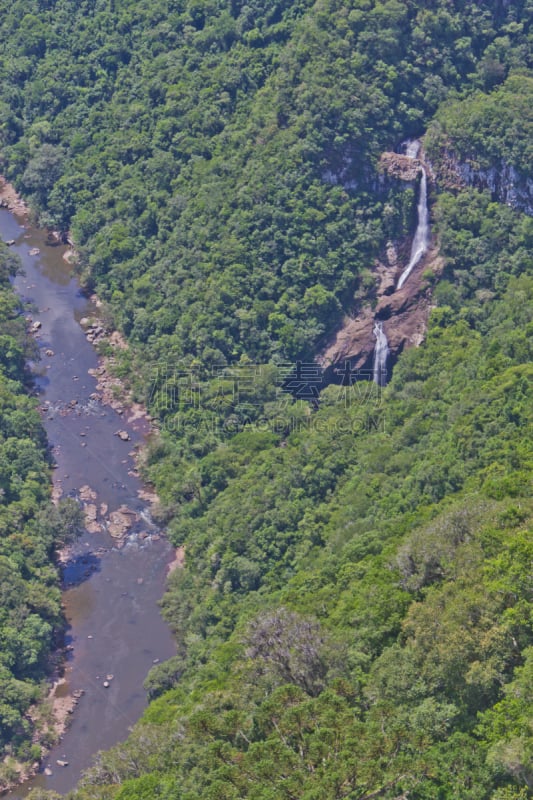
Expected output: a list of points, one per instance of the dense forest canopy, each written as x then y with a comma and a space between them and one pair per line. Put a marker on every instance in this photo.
354, 615
186, 144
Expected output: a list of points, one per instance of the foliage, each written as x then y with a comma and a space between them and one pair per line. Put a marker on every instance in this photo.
216, 162
488, 129
355, 610
354, 615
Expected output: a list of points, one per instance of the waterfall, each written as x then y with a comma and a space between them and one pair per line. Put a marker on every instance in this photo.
412, 146
381, 353
421, 238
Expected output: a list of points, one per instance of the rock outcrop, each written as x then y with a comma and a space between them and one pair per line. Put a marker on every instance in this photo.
504, 181
404, 315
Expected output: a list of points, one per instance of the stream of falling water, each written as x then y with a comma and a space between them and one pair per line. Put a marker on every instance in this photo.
421, 238
381, 354
418, 249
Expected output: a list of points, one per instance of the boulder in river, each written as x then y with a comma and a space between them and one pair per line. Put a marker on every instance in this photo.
121, 521
86, 493
91, 512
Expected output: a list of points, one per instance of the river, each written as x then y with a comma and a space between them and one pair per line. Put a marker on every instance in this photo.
111, 593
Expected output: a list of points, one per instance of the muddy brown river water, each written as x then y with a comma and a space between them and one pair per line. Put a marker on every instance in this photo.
111, 594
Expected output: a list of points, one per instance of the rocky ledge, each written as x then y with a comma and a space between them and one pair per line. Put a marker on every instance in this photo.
400, 167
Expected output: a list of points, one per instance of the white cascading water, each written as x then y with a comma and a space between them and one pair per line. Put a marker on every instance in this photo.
421, 238
412, 146
381, 354
418, 249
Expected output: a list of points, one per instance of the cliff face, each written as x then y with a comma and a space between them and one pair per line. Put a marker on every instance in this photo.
505, 183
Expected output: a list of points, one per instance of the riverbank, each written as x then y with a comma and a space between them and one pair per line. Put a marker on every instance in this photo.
11, 200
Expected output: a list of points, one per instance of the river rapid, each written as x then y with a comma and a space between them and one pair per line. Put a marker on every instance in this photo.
111, 587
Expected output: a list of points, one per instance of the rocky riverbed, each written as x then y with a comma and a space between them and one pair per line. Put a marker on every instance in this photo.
114, 576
